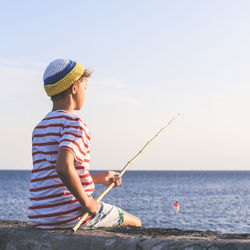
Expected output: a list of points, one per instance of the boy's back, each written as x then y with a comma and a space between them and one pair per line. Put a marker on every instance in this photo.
51, 203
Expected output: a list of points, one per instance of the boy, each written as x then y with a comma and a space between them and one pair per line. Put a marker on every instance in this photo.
61, 185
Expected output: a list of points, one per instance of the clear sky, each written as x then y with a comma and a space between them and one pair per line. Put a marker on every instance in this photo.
151, 60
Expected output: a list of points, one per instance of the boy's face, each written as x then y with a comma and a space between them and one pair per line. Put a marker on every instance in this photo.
80, 93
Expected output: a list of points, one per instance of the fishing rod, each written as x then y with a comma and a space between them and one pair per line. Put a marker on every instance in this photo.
85, 215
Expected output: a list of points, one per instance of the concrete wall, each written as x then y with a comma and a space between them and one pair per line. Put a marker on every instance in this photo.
17, 235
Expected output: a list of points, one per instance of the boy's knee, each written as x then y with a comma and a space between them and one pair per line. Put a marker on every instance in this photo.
131, 220
138, 223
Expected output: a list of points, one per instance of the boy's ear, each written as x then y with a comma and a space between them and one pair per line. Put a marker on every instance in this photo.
73, 88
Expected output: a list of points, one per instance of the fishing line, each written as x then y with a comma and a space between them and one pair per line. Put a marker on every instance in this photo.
176, 204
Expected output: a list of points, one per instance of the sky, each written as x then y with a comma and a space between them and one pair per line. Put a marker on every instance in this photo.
151, 61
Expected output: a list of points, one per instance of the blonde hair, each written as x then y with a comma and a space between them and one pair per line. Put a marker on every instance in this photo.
87, 73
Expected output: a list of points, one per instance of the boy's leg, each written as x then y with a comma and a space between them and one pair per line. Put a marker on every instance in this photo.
131, 220
111, 216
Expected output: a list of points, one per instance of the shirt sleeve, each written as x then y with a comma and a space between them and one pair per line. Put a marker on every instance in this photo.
75, 138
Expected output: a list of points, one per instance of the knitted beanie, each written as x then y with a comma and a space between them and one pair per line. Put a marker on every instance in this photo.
60, 75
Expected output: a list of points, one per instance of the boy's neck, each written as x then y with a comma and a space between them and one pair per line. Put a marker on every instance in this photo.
63, 104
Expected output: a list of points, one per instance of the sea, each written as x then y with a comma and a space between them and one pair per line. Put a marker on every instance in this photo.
209, 200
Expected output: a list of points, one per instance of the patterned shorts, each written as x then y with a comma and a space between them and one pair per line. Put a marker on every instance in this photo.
107, 216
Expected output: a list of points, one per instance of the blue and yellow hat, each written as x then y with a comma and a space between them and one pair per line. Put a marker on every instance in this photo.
60, 75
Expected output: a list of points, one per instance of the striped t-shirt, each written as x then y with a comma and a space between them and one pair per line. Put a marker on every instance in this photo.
51, 203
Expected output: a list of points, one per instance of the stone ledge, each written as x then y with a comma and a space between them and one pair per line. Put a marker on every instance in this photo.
15, 235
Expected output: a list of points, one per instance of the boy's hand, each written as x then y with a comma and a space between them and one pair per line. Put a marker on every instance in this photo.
92, 207
112, 176
106, 178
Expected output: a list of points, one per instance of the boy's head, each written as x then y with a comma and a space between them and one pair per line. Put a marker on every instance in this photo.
61, 74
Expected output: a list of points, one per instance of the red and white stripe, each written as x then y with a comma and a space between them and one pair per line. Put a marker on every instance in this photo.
51, 203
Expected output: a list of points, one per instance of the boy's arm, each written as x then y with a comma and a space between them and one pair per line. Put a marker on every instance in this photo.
107, 178
69, 176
